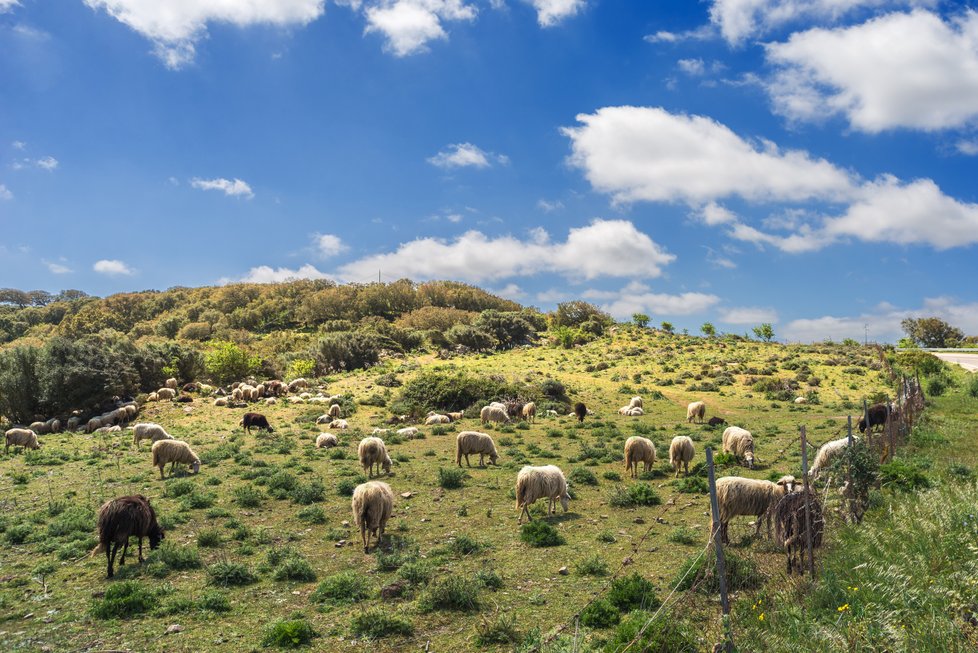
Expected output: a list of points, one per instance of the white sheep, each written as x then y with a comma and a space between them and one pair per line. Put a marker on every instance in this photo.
827, 454
635, 402
740, 443
437, 419
271, 401
546, 482
54, 425
325, 418
148, 431
221, 401
39, 427
152, 397
696, 410
105, 430
493, 413
173, 452
801, 400
21, 438
372, 451
380, 431
456, 416
473, 442
748, 496
165, 393
339, 424
73, 423
681, 451
93, 424
237, 394
334, 411
372, 504
409, 432
326, 440
639, 450
552, 413
171, 383
631, 411
297, 384
530, 411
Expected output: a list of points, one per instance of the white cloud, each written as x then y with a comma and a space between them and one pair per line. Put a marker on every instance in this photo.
454, 218
510, 291
466, 155
739, 20
911, 70
967, 147
329, 245
692, 67
5, 193
57, 268
549, 207
47, 163
552, 296
231, 188
645, 153
713, 214
748, 315
638, 298
8, 5
552, 12
267, 274
613, 248
409, 25
702, 33
17, 145
112, 267
882, 323
807, 239
175, 26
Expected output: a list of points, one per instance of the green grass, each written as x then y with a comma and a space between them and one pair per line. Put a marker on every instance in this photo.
539, 533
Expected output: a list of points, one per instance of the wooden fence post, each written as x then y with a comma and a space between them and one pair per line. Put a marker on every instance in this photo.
808, 513
852, 502
718, 547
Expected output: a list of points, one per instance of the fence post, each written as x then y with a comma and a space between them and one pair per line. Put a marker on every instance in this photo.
808, 513
852, 502
889, 429
718, 547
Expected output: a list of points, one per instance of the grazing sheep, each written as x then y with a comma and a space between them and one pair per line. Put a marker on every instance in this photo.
165, 393
372, 451
152, 397
456, 416
580, 410
639, 450
237, 394
326, 440
826, 455
740, 443
552, 413
748, 496
696, 411
105, 430
260, 390
122, 518
681, 451
716, 421
530, 411
334, 411
271, 401
149, 431
256, 420
21, 438
340, 424
221, 401
171, 383
635, 402
74, 422
298, 384
372, 505
380, 431
546, 482
631, 411
493, 414
409, 432
325, 418
54, 425
131, 411
790, 530
173, 452
275, 388
472, 442
39, 427
93, 424
877, 417
437, 419
801, 400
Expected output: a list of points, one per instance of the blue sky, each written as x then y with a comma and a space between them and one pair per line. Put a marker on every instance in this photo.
733, 161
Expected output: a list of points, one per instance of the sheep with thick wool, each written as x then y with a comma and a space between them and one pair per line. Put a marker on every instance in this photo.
165, 393
546, 482
339, 424
827, 454
93, 425
681, 451
639, 450
21, 438
740, 443
530, 411
173, 452
334, 411
409, 432
631, 411
456, 416
326, 441
148, 431
372, 451
40, 427
437, 419
696, 411
493, 414
747, 496
372, 504
474, 442
635, 402
171, 383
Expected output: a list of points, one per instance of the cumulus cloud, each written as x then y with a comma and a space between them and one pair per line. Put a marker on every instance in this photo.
112, 268
882, 323
967, 147
702, 33
176, 26
604, 248
739, 20
510, 291
409, 25
8, 5
5, 193
230, 187
692, 67
47, 163
268, 274
549, 207
637, 297
466, 155
329, 245
647, 153
748, 315
552, 12
57, 268
910, 70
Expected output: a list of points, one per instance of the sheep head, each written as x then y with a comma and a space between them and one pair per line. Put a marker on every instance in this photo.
156, 536
387, 464
196, 466
787, 483
493, 457
565, 501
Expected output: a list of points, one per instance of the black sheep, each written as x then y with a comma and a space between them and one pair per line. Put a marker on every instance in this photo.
716, 421
256, 420
122, 518
580, 410
877, 417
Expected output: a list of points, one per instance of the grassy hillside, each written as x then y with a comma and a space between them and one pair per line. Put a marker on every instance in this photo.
269, 507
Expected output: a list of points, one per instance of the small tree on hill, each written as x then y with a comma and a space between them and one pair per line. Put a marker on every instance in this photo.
932, 332
708, 329
668, 327
764, 332
640, 319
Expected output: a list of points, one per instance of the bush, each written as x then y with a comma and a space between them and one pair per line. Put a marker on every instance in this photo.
377, 623
973, 386
692, 485
312, 515
308, 493
215, 602
742, 573
289, 633
640, 494
600, 614
633, 593
350, 350
593, 565
501, 630
450, 593
539, 534
226, 362
489, 579
344, 587
417, 572
583, 476
177, 557
248, 496
227, 574
665, 634
209, 537
936, 387
683, 535
463, 545
294, 567
450, 478
904, 476
432, 390
346, 486
124, 600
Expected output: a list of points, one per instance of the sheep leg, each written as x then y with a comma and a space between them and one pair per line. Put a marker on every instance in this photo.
140, 548
109, 558
482, 460
364, 537
125, 549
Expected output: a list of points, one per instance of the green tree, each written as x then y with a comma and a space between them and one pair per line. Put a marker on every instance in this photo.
667, 327
708, 329
20, 385
932, 332
576, 313
764, 332
226, 362
641, 319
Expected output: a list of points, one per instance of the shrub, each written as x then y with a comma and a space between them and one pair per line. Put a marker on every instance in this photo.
742, 573
904, 476
215, 602
346, 486
612, 476
124, 600
693, 485
450, 478
683, 535
345, 587
539, 534
351, 350
450, 593
665, 634
248, 496
377, 623
177, 557
289, 633
227, 574
973, 386
583, 476
501, 630
294, 567
312, 515
209, 537
600, 614
226, 362
936, 387
416, 572
633, 593
489, 579
308, 493
640, 494
463, 545
593, 565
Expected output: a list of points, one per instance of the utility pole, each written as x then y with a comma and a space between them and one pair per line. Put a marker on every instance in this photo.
866, 334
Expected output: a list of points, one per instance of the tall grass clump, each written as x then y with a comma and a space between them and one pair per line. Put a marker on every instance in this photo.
378, 622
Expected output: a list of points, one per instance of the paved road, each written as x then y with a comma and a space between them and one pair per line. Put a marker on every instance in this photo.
967, 361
